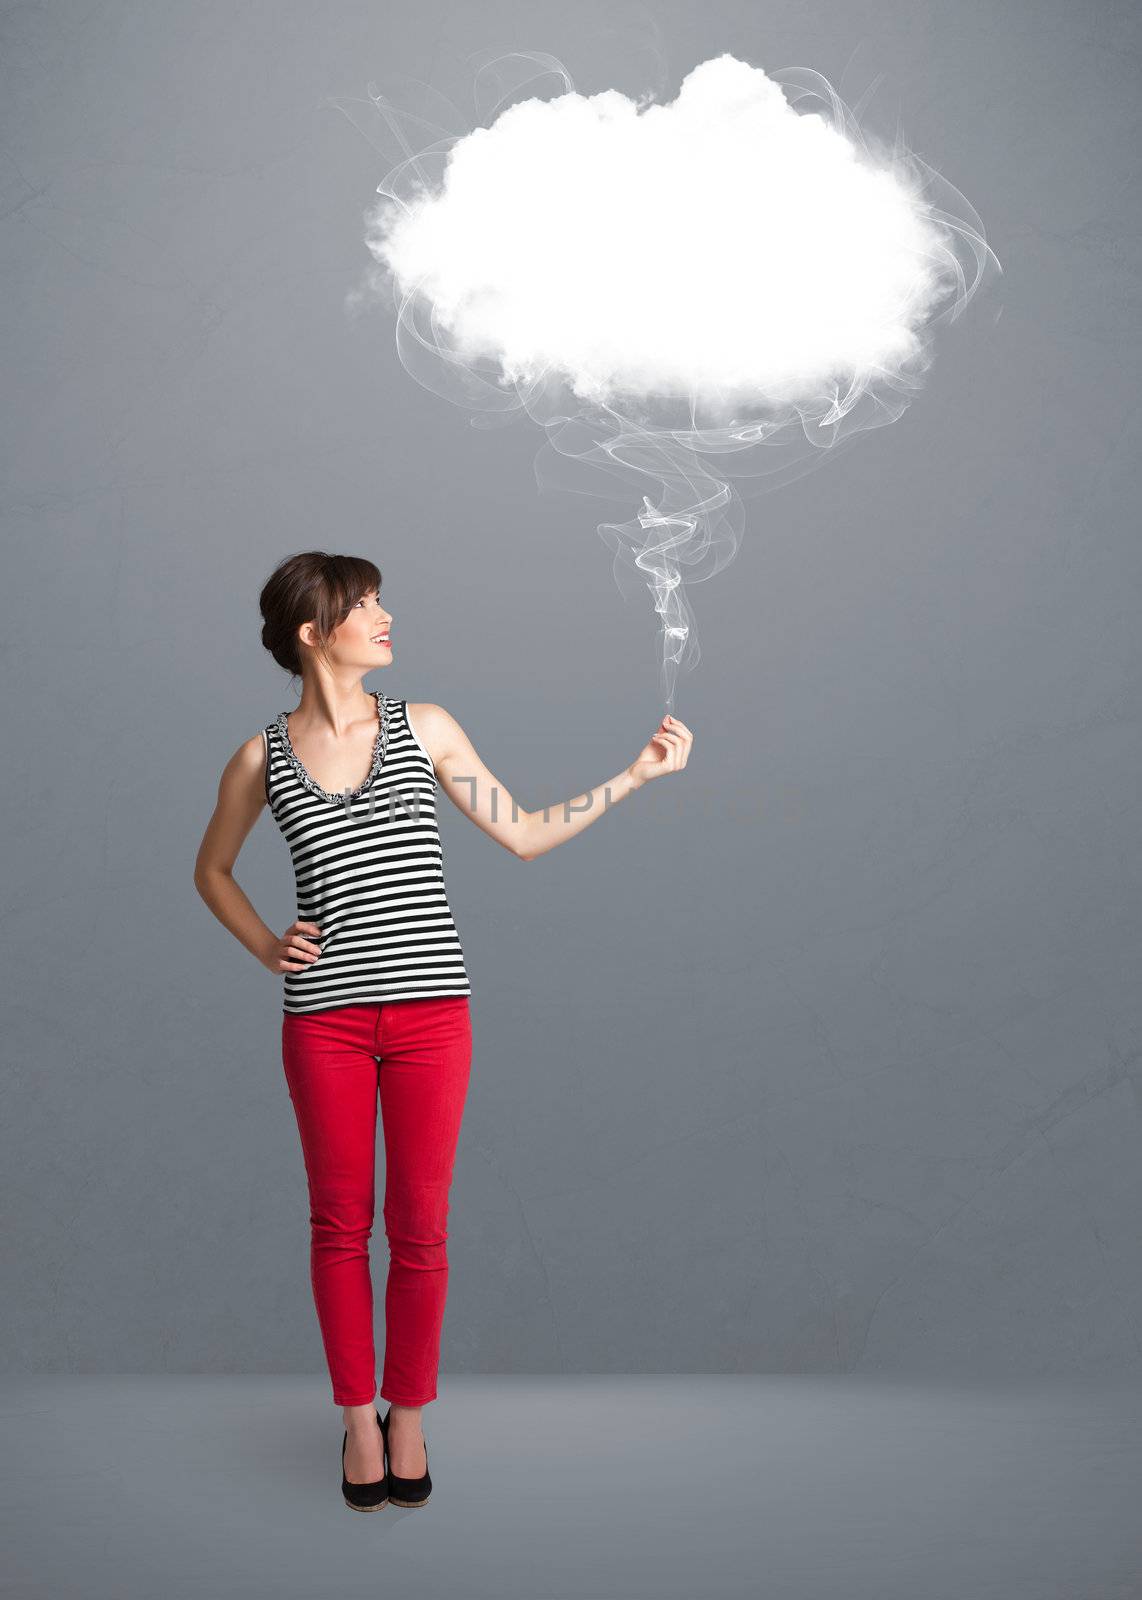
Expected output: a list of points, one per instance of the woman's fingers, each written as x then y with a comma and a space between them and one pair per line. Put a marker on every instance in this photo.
673, 741
678, 729
676, 741
685, 740
297, 943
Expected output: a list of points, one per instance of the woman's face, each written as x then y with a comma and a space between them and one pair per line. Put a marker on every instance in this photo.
362, 640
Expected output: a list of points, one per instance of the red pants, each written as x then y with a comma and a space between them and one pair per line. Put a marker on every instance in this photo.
418, 1052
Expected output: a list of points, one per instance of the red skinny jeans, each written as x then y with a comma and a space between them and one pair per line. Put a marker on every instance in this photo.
418, 1053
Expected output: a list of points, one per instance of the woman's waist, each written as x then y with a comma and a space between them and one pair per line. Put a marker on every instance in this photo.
339, 921
368, 905
379, 890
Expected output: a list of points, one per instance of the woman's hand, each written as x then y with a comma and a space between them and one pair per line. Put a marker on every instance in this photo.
295, 950
668, 750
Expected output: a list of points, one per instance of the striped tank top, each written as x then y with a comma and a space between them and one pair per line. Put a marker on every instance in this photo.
369, 867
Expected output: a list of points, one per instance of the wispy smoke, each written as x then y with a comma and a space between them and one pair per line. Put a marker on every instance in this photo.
733, 274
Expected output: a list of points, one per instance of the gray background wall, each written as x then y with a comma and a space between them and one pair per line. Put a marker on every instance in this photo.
823, 1056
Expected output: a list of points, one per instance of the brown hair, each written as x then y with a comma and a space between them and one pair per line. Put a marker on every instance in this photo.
311, 587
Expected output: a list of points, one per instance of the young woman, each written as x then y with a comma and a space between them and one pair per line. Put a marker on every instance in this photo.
375, 986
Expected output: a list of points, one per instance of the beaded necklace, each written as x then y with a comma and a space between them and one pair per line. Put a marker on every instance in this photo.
380, 750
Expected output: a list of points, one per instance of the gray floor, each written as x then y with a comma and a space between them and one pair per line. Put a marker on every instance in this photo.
781, 1488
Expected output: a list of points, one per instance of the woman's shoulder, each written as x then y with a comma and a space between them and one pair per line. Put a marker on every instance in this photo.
251, 753
428, 723
244, 773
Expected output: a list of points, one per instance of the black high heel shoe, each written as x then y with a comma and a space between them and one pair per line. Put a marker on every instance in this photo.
406, 1491
366, 1496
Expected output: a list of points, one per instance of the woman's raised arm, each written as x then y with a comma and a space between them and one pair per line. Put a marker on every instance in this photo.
480, 795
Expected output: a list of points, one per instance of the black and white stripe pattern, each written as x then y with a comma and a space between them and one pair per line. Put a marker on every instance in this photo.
369, 870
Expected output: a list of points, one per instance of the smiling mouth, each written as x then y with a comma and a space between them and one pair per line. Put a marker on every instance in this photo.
381, 638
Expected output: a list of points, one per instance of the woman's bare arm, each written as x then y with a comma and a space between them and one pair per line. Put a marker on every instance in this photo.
241, 797
480, 795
